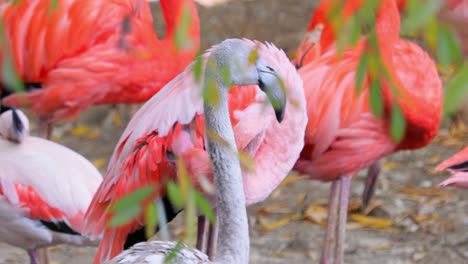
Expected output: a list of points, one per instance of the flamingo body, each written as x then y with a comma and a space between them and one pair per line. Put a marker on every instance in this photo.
45, 189
172, 123
93, 52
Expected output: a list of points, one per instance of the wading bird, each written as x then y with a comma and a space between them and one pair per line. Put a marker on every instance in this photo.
87, 52
457, 165
343, 136
143, 156
232, 216
45, 189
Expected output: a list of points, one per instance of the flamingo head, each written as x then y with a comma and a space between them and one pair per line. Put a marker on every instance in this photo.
246, 67
14, 125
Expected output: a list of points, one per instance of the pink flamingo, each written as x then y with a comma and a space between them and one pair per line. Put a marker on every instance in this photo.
45, 189
457, 165
343, 136
172, 124
93, 52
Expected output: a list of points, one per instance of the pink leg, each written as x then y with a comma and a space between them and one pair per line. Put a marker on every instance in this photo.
327, 257
33, 256
44, 129
345, 182
370, 184
212, 240
201, 233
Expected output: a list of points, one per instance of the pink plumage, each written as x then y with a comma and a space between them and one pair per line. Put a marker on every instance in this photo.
42, 184
457, 165
172, 121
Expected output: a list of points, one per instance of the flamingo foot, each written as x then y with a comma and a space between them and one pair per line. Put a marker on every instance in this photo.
332, 218
212, 240
370, 184
201, 233
345, 182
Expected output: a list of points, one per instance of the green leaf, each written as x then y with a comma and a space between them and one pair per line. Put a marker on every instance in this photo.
361, 71
132, 199
456, 90
124, 216
181, 32
210, 92
448, 50
175, 194
151, 220
205, 206
173, 252
246, 162
190, 214
198, 68
10, 77
376, 99
253, 56
418, 13
397, 124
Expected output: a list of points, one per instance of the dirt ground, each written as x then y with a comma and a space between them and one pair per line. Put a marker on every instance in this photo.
413, 222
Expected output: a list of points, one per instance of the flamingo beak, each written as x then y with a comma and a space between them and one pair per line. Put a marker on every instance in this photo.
272, 84
18, 129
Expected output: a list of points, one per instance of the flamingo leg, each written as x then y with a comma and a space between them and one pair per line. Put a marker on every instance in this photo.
201, 233
345, 182
370, 184
212, 240
326, 257
44, 129
33, 256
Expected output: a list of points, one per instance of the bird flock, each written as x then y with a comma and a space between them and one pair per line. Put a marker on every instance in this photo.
303, 114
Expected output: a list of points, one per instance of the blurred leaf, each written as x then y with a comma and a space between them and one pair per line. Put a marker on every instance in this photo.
180, 37
10, 76
198, 68
361, 71
132, 199
253, 56
316, 214
124, 215
151, 220
205, 206
389, 165
376, 100
372, 222
80, 130
210, 92
173, 252
246, 162
397, 124
175, 194
216, 137
99, 163
456, 90
418, 13
448, 50
183, 179
190, 214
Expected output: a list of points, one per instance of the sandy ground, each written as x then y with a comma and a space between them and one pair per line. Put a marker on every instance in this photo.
420, 224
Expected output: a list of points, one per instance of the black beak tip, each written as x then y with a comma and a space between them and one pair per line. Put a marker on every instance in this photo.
279, 114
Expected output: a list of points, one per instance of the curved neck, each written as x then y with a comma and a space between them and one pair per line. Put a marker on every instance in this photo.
234, 242
174, 11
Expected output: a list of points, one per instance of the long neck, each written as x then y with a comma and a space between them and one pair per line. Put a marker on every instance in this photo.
174, 11
234, 242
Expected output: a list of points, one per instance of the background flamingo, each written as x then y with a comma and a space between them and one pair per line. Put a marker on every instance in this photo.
457, 165
93, 52
143, 157
234, 234
45, 189
343, 136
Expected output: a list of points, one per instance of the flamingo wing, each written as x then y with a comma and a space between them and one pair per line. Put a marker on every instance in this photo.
55, 186
458, 162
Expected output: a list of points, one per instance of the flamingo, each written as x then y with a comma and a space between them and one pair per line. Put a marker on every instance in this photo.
319, 38
89, 52
457, 165
228, 178
45, 189
343, 136
142, 156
